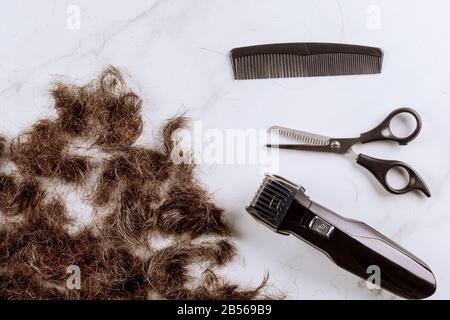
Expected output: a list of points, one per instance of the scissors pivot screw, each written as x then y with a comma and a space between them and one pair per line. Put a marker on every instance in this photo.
335, 145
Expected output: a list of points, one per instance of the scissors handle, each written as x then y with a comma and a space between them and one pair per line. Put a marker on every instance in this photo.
380, 168
383, 130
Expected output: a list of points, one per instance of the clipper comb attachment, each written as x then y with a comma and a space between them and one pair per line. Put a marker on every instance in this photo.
273, 199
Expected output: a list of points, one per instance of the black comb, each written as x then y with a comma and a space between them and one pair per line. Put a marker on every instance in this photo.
285, 60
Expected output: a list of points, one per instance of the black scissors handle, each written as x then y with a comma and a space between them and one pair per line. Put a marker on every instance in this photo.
383, 130
380, 168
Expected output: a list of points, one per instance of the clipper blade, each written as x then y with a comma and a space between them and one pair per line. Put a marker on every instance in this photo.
285, 60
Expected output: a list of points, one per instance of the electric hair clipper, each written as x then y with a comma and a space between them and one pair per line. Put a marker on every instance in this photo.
353, 245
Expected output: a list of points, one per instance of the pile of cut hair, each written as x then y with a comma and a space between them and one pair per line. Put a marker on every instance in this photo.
137, 195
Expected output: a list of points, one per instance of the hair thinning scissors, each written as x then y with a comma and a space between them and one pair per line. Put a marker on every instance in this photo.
378, 167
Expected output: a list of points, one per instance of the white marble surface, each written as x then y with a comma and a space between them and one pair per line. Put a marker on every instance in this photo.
176, 54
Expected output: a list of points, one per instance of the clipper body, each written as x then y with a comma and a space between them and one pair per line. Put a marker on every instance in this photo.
352, 245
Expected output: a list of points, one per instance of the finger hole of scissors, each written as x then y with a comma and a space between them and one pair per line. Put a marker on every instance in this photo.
398, 178
402, 125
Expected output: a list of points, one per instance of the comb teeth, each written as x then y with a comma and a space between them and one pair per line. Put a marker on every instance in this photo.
264, 66
272, 198
305, 137
304, 60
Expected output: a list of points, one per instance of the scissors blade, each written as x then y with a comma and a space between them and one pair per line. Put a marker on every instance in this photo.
307, 138
303, 147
